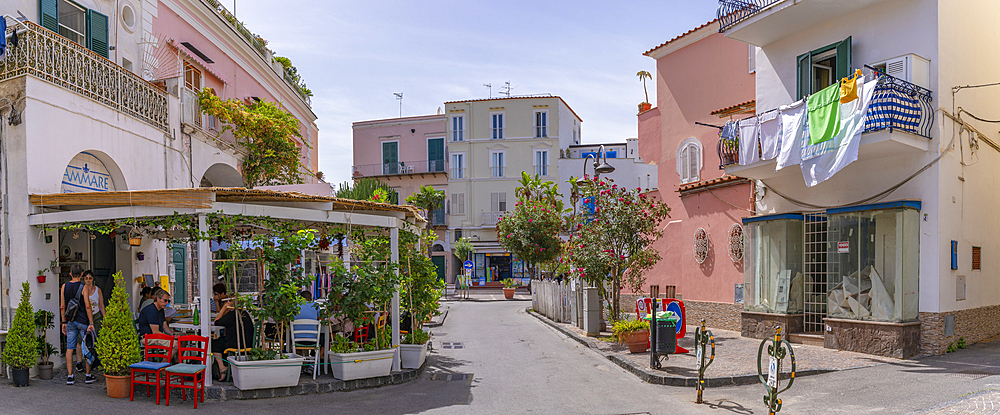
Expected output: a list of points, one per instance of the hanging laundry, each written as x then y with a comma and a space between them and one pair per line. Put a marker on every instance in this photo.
792, 119
3, 37
749, 147
849, 88
770, 135
819, 169
824, 114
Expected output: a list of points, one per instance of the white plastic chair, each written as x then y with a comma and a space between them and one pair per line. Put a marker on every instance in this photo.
305, 336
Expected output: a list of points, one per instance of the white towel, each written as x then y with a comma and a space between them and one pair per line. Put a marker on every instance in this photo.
819, 169
793, 124
749, 129
770, 135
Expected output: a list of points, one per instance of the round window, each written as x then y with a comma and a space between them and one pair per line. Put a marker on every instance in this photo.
128, 17
736, 242
700, 245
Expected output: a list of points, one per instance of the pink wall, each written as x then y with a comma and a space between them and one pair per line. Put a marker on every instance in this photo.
235, 81
692, 82
412, 144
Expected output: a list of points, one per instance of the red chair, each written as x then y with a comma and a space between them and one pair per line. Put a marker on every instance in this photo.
189, 375
148, 368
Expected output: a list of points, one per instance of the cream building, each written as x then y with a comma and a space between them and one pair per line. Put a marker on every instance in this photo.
490, 142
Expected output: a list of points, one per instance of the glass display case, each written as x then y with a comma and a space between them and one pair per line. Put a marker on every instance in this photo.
772, 264
872, 262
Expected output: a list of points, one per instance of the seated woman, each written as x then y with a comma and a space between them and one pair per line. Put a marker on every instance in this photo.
229, 339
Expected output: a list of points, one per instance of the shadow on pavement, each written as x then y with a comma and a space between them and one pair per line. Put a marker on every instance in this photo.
728, 405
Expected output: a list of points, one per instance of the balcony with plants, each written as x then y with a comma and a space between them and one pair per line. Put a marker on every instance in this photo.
897, 106
46, 55
760, 22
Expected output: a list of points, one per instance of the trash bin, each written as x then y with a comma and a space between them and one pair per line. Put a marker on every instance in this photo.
666, 336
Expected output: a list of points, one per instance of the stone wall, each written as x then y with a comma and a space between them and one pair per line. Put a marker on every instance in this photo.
898, 340
761, 325
724, 316
974, 325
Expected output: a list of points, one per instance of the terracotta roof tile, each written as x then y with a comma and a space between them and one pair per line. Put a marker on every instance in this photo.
736, 109
710, 182
646, 53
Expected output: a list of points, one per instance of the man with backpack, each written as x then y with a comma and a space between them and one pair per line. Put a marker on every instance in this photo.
77, 319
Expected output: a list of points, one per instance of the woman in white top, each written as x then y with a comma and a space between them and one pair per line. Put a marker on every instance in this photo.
96, 297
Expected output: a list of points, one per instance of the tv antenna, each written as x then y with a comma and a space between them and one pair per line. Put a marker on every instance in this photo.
399, 97
490, 86
505, 89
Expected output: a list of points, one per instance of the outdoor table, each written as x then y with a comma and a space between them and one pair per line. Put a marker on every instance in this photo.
191, 328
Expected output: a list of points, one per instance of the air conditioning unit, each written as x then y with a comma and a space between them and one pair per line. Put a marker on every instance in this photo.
910, 68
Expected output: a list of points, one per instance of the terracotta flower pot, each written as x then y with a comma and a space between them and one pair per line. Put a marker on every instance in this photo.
117, 386
638, 341
508, 293
645, 106
41, 279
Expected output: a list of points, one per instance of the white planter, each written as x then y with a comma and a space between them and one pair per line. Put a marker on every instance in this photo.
361, 365
264, 374
412, 356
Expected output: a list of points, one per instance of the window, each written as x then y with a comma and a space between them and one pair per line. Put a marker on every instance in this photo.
496, 125
210, 122
76, 23
458, 165
390, 157
772, 264
820, 68
977, 256
498, 201
497, 163
457, 203
575, 139
458, 235
192, 77
541, 124
458, 128
435, 154
542, 162
689, 160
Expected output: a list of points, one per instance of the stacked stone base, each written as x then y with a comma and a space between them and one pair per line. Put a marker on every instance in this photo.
974, 325
762, 325
898, 340
724, 316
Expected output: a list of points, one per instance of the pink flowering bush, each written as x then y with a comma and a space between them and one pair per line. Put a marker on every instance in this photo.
531, 231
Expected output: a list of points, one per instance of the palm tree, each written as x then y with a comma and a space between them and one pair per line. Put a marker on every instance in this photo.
428, 199
643, 76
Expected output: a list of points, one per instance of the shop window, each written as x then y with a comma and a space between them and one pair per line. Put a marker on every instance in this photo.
872, 267
772, 264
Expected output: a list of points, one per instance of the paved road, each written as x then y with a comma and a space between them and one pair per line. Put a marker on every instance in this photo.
517, 365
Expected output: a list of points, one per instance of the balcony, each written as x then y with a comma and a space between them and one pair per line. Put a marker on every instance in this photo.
491, 218
760, 22
190, 108
53, 58
899, 120
420, 167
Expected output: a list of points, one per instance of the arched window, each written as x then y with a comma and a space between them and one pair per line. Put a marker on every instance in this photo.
689, 160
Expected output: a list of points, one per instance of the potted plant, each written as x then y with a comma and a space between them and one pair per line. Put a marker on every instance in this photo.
118, 344
413, 350
43, 322
370, 283
41, 275
634, 333
509, 286
267, 367
21, 351
643, 76
422, 290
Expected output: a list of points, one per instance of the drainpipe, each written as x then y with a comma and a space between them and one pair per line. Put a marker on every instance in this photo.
5, 318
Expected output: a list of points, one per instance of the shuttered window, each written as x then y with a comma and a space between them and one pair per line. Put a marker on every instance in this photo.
816, 69
689, 161
97, 33
88, 28
977, 258
457, 203
498, 201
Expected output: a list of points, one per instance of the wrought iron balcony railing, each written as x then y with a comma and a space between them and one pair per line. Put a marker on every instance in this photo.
896, 105
403, 167
47, 55
732, 12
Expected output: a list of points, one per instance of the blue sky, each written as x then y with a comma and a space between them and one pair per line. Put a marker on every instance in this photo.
355, 55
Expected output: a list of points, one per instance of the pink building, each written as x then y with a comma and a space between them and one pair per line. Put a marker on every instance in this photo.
697, 73
407, 153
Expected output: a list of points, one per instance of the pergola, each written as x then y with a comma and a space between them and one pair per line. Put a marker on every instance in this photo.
60, 209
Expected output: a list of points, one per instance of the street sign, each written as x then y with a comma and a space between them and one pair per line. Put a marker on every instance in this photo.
772, 372
467, 264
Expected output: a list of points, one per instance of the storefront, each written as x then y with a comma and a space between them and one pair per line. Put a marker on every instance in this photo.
496, 267
849, 274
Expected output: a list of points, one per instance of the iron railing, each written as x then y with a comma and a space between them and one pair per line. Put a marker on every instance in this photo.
190, 108
896, 105
47, 55
732, 12
491, 218
402, 167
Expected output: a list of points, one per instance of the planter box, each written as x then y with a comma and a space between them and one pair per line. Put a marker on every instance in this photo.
412, 356
361, 365
263, 374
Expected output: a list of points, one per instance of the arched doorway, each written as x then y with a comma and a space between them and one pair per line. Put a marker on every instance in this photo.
92, 171
221, 175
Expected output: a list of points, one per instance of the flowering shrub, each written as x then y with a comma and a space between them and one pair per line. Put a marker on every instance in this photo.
531, 231
614, 242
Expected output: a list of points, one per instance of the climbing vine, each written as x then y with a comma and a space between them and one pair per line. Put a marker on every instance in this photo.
266, 131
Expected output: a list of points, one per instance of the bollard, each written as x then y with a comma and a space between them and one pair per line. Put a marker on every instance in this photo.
776, 352
702, 338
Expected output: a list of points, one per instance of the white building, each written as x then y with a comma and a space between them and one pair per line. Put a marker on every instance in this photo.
630, 172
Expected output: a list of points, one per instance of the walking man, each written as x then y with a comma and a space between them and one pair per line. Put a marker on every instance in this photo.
77, 319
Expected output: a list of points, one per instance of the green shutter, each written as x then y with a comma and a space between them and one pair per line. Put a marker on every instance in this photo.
804, 81
435, 154
48, 10
844, 59
390, 157
180, 274
97, 33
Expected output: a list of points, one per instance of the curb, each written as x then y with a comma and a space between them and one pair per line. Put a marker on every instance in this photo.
669, 380
309, 386
440, 321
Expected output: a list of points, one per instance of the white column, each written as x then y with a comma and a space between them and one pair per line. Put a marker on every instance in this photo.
394, 257
204, 288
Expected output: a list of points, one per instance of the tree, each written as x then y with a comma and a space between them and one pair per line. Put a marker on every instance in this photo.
615, 242
21, 351
643, 76
267, 133
463, 247
118, 344
531, 232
